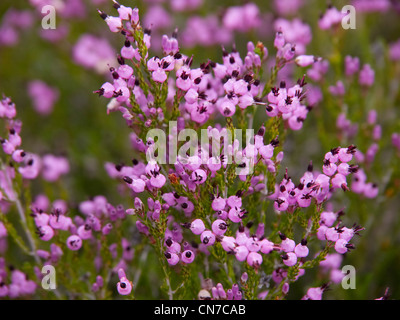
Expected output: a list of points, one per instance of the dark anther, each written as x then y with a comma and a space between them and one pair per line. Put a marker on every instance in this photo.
127, 180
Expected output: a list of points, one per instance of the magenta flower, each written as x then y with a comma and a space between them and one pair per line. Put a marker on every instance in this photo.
367, 76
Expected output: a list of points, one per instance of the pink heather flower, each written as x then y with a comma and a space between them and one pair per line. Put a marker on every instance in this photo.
266, 246
187, 256
377, 132
55, 35
288, 7
328, 218
336, 275
191, 96
348, 233
94, 53
32, 167
366, 76
242, 18
172, 258
241, 253
7, 108
153, 64
329, 168
219, 227
74, 242
281, 204
8, 147
314, 95
43, 96
352, 65
305, 60
128, 252
396, 140
314, 293
56, 252
85, 231
208, 238
244, 277
170, 46
218, 203
228, 243
332, 261
18, 155
135, 16
341, 246
157, 17
125, 13
9, 36
43, 254
372, 115
234, 201
172, 246
128, 52
346, 154
222, 214
125, 71
235, 214
107, 90
304, 200
394, 51
45, 232
289, 259
254, 259
157, 180
137, 185
370, 190
330, 18
287, 244
197, 226
301, 249
371, 5
59, 221
107, 229
279, 40
53, 167
295, 32
253, 244
241, 236
345, 169
371, 152
114, 23
331, 234
199, 176
185, 5
338, 89
266, 151
287, 52
124, 286
318, 70
14, 138
159, 75
205, 31
41, 219
3, 231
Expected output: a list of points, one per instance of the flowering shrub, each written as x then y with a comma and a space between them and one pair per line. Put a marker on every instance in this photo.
249, 174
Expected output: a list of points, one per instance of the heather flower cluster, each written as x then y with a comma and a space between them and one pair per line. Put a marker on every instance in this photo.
214, 199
